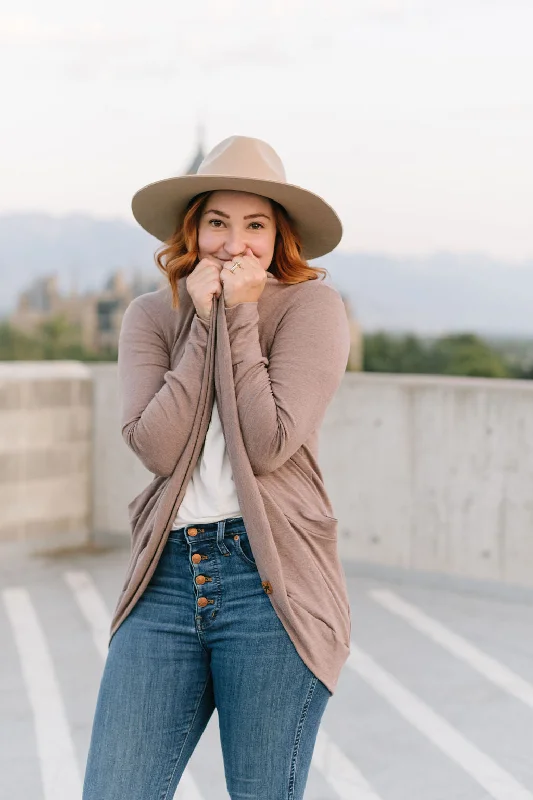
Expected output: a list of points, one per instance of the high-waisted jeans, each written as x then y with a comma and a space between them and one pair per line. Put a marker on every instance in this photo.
176, 657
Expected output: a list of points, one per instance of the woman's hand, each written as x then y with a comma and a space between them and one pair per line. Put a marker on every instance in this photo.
246, 284
203, 283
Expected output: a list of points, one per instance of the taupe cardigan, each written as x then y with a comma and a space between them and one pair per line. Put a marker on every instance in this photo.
275, 365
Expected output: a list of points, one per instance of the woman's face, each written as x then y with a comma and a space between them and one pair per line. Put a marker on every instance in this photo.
232, 221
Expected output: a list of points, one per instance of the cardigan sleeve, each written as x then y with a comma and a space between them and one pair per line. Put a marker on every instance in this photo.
282, 399
158, 404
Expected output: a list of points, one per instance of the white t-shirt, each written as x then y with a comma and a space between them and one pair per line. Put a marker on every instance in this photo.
210, 494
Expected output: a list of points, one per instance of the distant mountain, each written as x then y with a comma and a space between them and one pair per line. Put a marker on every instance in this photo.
438, 293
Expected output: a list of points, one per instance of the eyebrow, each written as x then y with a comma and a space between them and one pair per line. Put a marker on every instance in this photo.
222, 214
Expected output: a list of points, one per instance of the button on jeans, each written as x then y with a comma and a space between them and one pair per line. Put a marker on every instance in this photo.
176, 657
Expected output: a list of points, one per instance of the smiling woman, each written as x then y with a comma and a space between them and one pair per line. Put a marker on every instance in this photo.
234, 597
234, 221
180, 254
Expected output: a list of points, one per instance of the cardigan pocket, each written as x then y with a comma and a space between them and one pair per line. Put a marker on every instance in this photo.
314, 522
306, 503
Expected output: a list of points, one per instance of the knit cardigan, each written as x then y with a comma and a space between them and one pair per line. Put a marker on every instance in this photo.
275, 364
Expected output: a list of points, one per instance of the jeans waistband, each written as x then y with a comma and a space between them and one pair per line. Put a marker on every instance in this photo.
209, 530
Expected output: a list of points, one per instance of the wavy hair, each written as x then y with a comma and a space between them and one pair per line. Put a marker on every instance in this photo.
178, 256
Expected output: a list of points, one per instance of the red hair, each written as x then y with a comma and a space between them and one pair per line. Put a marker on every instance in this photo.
178, 256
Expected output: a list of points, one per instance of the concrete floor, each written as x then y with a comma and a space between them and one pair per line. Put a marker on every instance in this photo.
435, 702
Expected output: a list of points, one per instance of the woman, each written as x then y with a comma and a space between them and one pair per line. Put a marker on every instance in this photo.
234, 597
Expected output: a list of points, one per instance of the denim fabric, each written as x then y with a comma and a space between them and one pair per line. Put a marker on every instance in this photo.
171, 662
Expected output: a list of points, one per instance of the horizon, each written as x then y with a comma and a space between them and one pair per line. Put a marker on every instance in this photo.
415, 256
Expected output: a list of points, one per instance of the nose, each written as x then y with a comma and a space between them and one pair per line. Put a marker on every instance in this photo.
234, 244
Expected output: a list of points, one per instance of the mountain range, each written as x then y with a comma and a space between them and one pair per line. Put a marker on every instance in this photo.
438, 293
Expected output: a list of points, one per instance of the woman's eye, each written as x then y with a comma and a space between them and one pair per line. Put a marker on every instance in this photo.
217, 223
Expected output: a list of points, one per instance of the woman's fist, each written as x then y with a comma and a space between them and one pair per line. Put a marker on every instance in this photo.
203, 283
246, 283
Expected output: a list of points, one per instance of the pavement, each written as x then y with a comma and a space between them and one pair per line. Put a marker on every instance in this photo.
434, 703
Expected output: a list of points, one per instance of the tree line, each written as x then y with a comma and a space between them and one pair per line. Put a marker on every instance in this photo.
462, 354
55, 338
465, 354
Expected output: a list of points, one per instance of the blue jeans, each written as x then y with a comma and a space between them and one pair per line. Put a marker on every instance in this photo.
174, 659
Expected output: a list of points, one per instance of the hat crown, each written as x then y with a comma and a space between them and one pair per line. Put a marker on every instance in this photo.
243, 157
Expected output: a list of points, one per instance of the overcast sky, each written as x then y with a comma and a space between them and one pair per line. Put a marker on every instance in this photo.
413, 119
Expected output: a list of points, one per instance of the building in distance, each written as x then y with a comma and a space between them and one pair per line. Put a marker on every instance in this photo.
96, 315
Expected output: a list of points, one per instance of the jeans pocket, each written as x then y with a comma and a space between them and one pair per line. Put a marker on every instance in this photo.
243, 549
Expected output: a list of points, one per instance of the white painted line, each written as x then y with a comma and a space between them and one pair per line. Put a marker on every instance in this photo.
487, 666
337, 769
56, 753
494, 779
93, 607
187, 789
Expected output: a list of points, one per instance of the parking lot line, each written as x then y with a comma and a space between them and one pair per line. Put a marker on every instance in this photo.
494, 779
339, 771
57, 757
485, 665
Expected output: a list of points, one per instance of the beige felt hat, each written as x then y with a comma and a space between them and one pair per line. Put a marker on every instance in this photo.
243, 164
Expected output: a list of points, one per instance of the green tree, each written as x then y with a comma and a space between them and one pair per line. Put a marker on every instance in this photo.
457, 354
55, 338
17, 346
467, 354
386, 353
59, 338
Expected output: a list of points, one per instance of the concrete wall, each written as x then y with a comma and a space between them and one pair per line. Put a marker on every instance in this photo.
434, 473
118, 475
45, 453
424, 472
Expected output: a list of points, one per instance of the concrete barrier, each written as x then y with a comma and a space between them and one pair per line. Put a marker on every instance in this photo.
433, 473
118, 475
45, 454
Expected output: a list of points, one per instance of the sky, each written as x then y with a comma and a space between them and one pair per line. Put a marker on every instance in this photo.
412, 118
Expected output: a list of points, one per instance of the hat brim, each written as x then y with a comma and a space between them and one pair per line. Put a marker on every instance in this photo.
160, 206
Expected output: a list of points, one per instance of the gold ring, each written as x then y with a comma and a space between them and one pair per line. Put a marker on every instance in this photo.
235, 265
